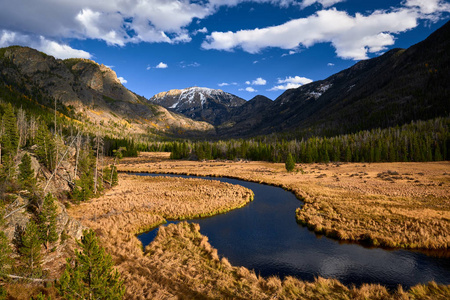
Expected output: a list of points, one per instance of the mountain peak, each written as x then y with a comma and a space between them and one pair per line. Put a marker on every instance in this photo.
199, 103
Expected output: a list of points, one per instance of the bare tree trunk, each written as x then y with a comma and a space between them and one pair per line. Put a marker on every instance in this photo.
78, 145
96, 165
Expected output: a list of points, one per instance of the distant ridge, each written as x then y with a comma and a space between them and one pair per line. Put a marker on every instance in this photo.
393, 89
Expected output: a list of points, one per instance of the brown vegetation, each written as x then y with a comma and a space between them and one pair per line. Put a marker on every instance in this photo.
180, 262
140, 203
389, 204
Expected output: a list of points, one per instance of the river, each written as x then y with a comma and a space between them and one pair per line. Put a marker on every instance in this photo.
264, 236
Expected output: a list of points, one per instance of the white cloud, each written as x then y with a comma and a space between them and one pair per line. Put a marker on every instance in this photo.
194, 64
62, 51
353, 37
290, 83
249, 89
202, 30
257, 81
429, 6
226, 83
330, 64
161, 65
324, 3
122, 80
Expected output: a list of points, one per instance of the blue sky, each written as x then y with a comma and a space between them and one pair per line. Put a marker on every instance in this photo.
245, 47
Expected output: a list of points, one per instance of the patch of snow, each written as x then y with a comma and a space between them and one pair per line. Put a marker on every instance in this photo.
350, 87
175, 105
319, 92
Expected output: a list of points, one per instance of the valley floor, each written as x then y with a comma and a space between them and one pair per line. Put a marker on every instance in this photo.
180, 262
384, 204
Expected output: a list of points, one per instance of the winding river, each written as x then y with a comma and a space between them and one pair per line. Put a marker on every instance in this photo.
265, 236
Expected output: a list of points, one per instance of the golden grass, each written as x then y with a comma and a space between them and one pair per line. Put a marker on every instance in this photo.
180, 263
384, 204
140, 203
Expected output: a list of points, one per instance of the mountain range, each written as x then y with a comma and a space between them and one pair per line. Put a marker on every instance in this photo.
393, 89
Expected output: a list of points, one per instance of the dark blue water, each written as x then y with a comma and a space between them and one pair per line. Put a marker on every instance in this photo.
265, 236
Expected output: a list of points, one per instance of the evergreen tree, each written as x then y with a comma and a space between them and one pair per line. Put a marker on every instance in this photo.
46, 147
30, 251
90, 275
85, 185
437, 153
26, 173
290, 163
10, 138
47, 221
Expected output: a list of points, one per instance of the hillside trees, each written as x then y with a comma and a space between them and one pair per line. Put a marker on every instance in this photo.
30, 251
90, 274
47, 221
26, 174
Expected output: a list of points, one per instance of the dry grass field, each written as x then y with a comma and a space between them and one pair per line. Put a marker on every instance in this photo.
384, 204
181, 264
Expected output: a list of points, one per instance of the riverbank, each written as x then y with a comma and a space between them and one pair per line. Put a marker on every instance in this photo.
140, 203
180, 262
405, 205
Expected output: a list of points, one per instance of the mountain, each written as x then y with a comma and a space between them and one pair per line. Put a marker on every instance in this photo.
392, 89
246, 117
201, 104
87, 92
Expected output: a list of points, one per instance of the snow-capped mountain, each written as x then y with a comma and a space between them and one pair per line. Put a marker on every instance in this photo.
199, 103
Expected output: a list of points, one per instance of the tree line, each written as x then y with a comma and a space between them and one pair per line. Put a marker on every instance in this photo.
24, 138
417, 142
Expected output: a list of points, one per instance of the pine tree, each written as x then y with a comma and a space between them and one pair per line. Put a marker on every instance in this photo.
30, 251
46, 148
90, 274
10, 138
85, 185
26, 173
290, 163
47, 221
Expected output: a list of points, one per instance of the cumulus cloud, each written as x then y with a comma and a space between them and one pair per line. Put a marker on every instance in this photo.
249, 89
122, 80
116, 22
330, 64
290, 83
58, 50
257, 81
353, 37
427, 7
161, 65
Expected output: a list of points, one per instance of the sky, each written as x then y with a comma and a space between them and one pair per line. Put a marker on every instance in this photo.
244, 47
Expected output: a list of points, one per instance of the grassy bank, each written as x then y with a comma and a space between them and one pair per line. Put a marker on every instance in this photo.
140, 203
403, 205
180, 262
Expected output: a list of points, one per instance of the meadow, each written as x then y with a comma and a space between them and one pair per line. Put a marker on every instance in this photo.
181, 264
404, 205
